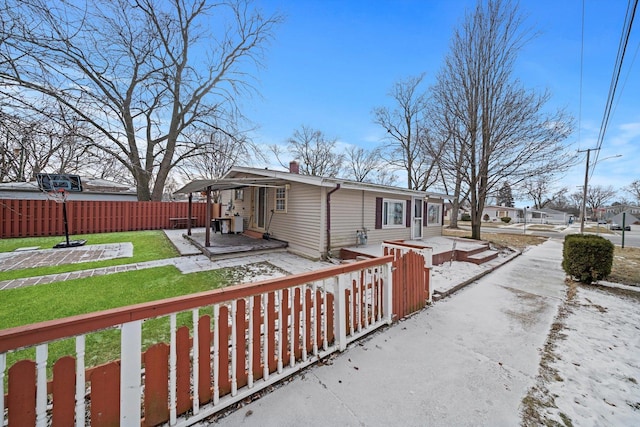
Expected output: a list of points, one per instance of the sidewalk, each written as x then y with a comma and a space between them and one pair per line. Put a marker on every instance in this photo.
467, 360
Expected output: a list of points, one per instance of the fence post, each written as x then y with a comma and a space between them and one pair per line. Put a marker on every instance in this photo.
427, 254
130, 371
387, 293
340, 323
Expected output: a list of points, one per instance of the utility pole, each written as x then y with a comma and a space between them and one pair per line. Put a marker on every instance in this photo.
584, 189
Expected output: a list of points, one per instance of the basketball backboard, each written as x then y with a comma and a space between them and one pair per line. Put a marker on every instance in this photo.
61, 181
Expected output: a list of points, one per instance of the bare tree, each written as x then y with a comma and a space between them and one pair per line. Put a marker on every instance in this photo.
575, 200
411, 148
541, 192
143, 73
634, 190
452, 161
500, 128
367, 166
218, 152
361, 164
52, 141
598, 196
316, 153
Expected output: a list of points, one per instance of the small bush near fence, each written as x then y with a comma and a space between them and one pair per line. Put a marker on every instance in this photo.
506, 219
465, 217
587, 258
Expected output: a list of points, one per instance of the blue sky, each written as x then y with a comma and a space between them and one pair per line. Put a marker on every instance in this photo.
332, 62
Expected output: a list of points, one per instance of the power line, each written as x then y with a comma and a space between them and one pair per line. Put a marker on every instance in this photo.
581, 70
622, 47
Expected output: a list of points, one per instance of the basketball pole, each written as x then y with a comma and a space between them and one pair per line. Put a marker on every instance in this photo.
64, 219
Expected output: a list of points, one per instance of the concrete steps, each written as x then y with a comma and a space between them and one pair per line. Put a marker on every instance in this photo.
482, 257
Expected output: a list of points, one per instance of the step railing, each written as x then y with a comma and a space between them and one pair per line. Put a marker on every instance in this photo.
235, 342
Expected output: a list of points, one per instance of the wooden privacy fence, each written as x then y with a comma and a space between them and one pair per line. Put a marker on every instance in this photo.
34, 218
224, 345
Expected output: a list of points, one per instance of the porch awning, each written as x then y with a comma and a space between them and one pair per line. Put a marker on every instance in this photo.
199, 185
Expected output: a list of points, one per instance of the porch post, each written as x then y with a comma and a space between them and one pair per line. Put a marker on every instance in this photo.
189, 214
207, 220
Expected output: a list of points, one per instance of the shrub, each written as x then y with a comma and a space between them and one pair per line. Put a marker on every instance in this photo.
465, 217
485, 217
587, 258
506, 219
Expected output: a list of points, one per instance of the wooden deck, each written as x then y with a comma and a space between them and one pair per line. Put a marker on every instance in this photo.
229, 245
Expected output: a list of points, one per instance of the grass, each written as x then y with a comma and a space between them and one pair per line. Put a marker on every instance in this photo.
626, 262
28, 305
626, 266
517, 241
147, 246
57, 300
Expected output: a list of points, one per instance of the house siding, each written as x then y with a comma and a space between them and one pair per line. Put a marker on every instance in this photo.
351, 210
302, 223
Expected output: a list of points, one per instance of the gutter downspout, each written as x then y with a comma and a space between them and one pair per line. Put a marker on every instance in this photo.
329, 218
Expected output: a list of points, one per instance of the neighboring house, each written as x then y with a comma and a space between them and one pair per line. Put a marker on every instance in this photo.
611, 211
532, 216
318, 216
494, 213
92, 189
448, 209
553, 216
628, 219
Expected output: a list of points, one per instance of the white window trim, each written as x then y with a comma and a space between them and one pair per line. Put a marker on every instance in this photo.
404, 213
276, 198
439, 222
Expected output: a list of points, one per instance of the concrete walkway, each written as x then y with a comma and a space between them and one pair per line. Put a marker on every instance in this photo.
465, 361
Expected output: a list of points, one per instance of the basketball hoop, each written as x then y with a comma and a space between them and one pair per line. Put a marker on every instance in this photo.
58, 196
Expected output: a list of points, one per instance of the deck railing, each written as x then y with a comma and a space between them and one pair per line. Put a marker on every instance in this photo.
235, 342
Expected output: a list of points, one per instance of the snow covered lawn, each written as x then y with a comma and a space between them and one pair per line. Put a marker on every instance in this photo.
590, 369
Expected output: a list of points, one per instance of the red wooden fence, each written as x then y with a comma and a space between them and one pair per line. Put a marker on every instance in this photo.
410, 281
34, 218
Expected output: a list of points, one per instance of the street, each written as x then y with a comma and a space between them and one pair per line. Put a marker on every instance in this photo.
631, 238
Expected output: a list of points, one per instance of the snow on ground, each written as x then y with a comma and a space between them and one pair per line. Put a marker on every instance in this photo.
450, 274
590, 372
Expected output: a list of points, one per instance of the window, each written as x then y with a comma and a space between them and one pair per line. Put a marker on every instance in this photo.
433, 214
281, 199
393, 213
239, 194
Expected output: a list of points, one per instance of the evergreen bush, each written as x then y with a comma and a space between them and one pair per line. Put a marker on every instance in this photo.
587, 258
506, 219
465, 217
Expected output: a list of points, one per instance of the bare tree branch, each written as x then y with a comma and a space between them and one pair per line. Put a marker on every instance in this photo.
499, 129
142, 73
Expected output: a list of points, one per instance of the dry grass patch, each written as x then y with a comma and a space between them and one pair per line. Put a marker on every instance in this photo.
516, 241
626, 266
596, 229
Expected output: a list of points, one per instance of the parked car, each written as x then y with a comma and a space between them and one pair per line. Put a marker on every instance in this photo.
619, 227
602, 221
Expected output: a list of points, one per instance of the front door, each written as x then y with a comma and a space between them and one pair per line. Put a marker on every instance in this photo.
416, 223
260, 207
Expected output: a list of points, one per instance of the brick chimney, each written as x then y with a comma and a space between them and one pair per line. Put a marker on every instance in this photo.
294, 167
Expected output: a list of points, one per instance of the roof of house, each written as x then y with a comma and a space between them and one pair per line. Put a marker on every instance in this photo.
553, 211
503, 207
236, 178
89, 185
